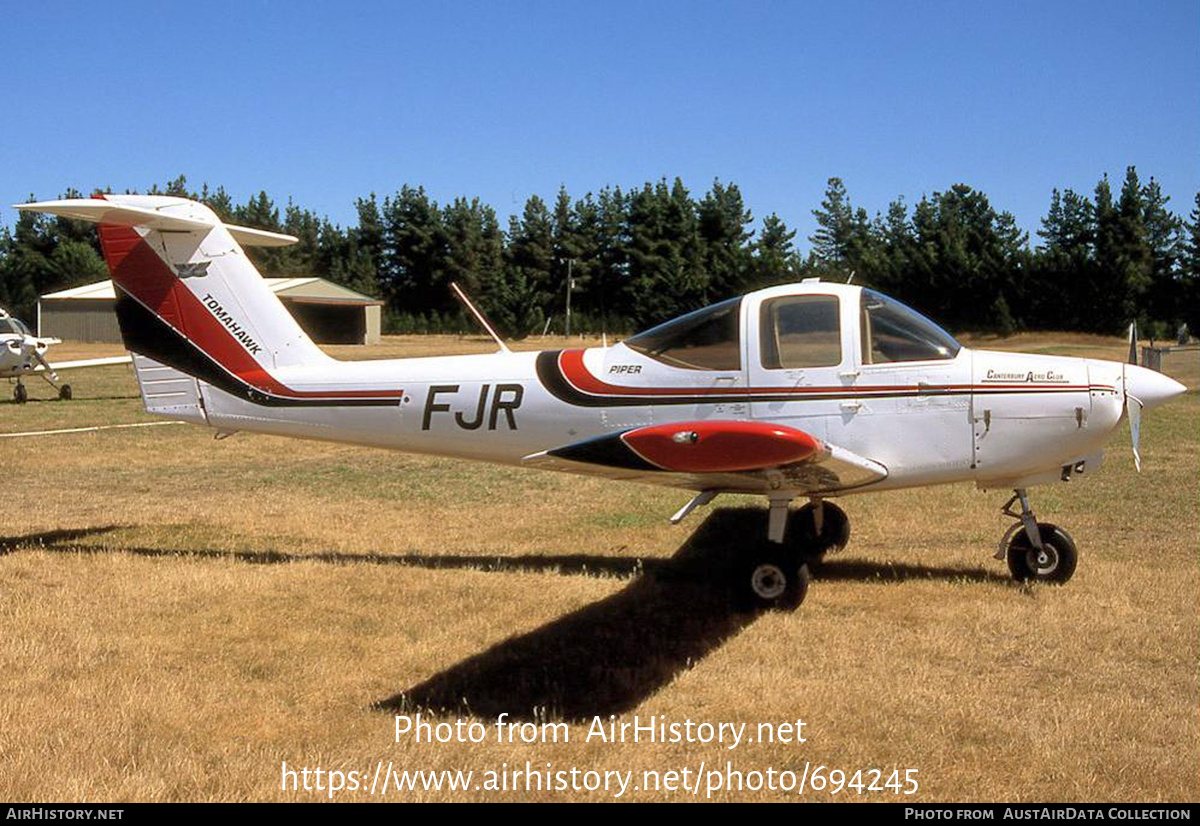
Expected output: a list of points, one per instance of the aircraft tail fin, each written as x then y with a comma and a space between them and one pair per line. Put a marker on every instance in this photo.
189, 299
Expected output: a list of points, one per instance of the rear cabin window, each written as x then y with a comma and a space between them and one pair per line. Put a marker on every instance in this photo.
894, 332
706, 339
800, 331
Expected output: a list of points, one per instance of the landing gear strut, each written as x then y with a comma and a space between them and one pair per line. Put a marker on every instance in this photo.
51, 378
777, 575
824, 528
1036, 551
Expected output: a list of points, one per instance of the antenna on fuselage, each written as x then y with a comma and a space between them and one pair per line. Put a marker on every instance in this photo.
461, 296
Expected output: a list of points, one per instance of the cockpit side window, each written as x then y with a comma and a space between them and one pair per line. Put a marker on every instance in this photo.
706, 339
893, 332
11, 325
800, 331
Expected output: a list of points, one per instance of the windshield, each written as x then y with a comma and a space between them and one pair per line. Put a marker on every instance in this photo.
11, 325
707, 339
893, 332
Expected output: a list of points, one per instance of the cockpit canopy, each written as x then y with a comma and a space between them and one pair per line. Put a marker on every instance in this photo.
893, 332
798, 331
706, 339
12, 325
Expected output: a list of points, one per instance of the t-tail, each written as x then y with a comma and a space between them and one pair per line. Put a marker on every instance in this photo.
196, 314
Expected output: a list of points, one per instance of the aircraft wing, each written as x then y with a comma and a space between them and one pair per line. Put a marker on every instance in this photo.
729, 456
101, 362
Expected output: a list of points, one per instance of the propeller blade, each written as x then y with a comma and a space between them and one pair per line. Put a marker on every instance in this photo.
1133, 339
45, 365
1134, 408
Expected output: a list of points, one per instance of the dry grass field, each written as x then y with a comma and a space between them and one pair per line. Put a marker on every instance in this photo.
180, 616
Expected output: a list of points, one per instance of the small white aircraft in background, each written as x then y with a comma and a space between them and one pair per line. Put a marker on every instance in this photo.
798, 392
22, 354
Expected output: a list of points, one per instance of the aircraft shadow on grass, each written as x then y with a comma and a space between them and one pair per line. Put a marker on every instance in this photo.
604, 658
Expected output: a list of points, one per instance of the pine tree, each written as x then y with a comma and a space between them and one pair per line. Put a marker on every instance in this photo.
1165, 301
724, 230
1134, 259
531, 250
260, 212
414, 246
774, 256
303, 257
843, 234
1190, 269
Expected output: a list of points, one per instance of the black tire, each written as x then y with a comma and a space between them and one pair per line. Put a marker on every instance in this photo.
834, 534
1054, 563
775, 580
20, 394
64, 392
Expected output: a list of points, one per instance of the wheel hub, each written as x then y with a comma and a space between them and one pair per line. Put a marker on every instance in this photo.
768, 581
1043, 562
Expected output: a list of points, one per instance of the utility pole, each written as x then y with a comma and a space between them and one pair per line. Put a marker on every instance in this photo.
570, 286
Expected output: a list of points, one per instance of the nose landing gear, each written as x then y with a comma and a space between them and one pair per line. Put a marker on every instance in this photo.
1036, 551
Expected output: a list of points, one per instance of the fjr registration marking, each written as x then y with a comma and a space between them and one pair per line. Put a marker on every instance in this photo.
503, 398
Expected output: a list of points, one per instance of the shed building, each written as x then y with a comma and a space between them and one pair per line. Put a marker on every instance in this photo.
328, 312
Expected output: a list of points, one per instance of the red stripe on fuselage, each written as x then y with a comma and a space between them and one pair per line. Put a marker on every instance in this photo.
142, 273
574, 370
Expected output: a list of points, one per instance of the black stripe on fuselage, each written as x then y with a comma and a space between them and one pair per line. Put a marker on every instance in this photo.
148, 335
551, 376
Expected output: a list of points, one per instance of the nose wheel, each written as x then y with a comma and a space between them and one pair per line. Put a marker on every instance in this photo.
20, 394
1037, 551
1053, 562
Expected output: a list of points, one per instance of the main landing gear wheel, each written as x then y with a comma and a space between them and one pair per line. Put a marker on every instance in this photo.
64, 392
1054, 562
776, 580
833, 536
20, 394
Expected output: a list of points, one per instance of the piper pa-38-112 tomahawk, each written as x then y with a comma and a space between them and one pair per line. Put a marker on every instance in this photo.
22, 354
798, 392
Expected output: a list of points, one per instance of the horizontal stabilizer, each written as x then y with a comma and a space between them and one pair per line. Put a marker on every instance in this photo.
101, 211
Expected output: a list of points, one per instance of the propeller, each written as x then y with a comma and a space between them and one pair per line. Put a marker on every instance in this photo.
45, 365
1144, 389
1133, 407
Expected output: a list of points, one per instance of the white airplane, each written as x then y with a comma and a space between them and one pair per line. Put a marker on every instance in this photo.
22, 354
803, 392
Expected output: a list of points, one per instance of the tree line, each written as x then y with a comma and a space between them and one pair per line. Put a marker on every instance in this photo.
637, 257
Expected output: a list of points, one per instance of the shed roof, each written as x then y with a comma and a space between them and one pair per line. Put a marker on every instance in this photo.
304, 289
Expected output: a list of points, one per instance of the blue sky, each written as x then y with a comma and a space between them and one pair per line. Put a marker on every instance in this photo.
325, 102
